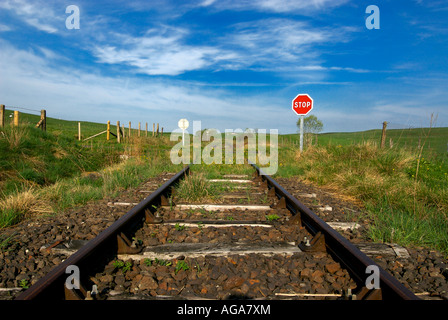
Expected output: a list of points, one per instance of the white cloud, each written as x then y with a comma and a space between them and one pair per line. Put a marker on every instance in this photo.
4, 28
285, 34
159, 52
276, 45
294, 6
38, 14
283, 45
206, 3
412, 110
302, 7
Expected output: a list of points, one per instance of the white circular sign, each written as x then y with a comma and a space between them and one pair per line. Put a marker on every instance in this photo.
183, 124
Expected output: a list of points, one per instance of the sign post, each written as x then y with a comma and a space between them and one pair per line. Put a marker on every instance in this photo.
301, 132
183, 124
302, 104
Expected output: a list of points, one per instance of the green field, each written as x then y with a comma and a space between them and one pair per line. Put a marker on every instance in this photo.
67, 128
437, 141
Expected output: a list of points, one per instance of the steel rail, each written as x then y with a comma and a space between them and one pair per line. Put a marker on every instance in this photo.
345, 252
51, 286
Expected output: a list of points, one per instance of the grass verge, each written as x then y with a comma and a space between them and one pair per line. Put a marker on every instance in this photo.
405, 194
79, 190
45, 173
31, 158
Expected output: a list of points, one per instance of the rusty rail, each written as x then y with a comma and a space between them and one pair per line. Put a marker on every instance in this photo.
51, 286
339, 247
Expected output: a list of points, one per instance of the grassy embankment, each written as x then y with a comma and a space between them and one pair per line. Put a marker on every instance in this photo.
47, 172
404, 188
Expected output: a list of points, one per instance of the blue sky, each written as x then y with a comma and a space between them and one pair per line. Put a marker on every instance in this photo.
229, 64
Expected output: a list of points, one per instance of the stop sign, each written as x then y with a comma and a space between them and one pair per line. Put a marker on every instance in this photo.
302, 104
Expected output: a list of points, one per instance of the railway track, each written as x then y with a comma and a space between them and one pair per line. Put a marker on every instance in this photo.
255, 241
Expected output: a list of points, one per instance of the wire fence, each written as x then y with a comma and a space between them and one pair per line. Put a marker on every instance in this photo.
15, 116
26, 109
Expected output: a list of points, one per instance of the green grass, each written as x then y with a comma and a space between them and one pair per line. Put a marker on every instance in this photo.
181, 265
31, 157
196, 188
123, 266
408, 207
217, 171
70, 192
47, 172
272, 217
179, 227
401, 138
401, 226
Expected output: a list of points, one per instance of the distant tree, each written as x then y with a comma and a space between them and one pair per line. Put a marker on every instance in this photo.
311, 127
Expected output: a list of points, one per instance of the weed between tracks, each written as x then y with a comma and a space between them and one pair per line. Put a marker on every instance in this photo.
195, 188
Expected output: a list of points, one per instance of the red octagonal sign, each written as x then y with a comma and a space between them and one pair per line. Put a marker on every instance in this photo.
302, 104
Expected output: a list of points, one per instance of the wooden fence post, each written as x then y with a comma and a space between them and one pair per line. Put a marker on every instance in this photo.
16, 118
2, 116
43, 118
118, 132
139, 127
108, 131
157, 129
162, 131
79, 131
383, 135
